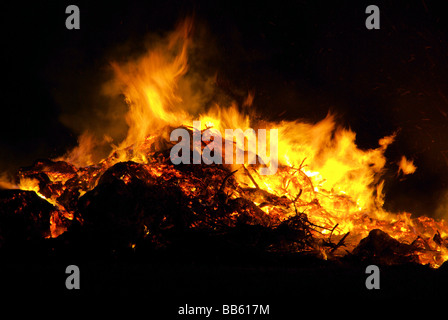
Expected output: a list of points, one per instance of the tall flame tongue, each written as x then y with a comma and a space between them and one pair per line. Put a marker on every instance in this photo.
321, 170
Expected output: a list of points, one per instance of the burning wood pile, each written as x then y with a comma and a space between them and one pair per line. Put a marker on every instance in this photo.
127, 206
156, 203
324, 200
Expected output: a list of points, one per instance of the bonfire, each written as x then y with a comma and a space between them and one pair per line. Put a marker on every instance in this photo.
324, 200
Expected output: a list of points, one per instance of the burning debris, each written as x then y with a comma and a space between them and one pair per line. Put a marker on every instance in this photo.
159, 205
325, 198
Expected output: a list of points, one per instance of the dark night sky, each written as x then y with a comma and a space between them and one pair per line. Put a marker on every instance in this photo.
302, 57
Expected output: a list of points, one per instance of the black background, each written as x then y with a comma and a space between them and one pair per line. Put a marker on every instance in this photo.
301, 58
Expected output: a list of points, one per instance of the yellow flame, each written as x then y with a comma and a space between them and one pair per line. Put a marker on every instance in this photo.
323, 170
406, 166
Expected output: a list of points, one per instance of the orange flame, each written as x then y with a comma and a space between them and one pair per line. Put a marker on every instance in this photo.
321, 169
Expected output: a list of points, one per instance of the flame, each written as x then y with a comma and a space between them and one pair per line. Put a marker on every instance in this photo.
149, 86
406, 166
30, 184
321, 169
81, 155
